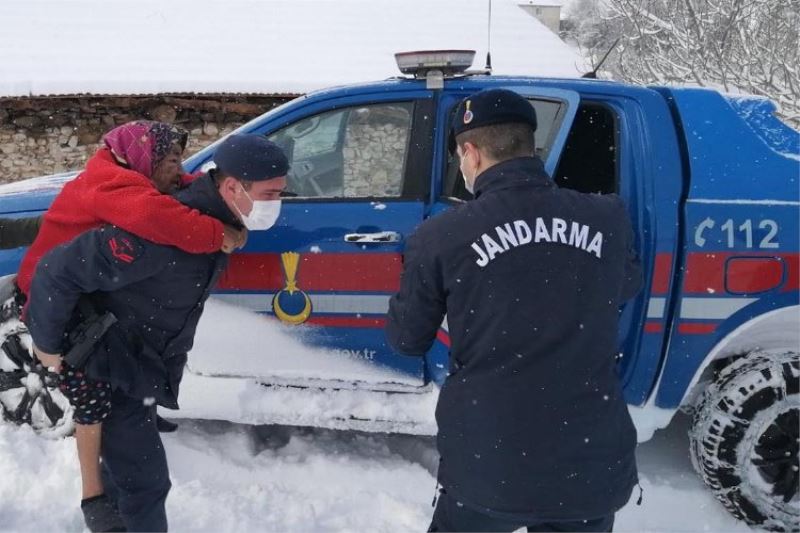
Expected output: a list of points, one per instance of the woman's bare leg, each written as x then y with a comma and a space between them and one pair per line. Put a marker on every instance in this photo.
88, 438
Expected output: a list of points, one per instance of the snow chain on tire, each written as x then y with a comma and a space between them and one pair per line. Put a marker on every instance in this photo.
28, 393
744, 439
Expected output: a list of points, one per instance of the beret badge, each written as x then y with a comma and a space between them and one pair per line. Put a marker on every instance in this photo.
468, 116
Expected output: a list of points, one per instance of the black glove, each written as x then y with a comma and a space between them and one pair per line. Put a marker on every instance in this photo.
101, 514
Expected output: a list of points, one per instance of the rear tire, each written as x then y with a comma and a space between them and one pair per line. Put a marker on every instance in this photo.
744, 439
28, 392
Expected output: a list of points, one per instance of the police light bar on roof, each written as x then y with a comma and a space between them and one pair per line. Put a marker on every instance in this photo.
449, 62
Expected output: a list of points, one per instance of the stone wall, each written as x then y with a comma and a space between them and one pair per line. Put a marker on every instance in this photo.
47, 135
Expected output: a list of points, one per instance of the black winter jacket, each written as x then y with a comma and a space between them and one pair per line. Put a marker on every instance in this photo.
156, 292
532, 422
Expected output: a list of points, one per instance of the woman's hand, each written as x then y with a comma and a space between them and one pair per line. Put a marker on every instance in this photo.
49, 360
233, 239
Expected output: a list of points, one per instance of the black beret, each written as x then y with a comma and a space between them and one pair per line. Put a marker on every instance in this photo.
251, 157
490, 107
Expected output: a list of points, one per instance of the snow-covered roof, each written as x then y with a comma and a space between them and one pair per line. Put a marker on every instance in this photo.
542, 3
60, 47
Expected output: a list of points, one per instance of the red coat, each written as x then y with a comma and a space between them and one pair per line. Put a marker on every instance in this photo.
106, 193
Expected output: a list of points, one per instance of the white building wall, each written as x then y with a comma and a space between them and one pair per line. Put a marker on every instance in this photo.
548, 15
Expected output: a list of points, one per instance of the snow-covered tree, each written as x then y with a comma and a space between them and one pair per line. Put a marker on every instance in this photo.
750, 46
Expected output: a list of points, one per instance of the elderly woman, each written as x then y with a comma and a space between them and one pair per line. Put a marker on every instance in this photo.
126, 184
123, 185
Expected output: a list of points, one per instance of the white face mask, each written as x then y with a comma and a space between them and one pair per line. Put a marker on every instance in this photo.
263, 215
469, 186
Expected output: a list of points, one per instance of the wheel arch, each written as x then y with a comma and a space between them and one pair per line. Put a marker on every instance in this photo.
759, 326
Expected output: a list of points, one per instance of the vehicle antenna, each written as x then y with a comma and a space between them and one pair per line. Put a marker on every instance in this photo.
593, 74
489, 41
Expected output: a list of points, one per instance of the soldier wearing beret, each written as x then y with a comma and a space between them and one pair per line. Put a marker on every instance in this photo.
533, 429
156, 294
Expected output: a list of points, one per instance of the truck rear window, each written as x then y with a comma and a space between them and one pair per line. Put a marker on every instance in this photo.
589, 160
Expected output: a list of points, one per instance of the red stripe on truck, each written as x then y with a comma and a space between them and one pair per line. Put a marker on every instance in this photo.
315, 272
653, 327
696, 328
705, 272
662, 273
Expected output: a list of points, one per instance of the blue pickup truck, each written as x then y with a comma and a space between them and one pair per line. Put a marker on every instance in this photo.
294, 332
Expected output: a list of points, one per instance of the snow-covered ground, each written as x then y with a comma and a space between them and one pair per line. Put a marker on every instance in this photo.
229, 477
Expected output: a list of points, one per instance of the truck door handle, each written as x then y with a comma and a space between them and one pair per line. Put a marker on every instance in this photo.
380, 237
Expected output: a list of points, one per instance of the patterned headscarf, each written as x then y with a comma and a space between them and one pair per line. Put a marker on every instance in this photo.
142, 144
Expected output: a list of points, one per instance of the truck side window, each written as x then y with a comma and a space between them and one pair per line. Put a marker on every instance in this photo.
549, 114
589, 160
351, 152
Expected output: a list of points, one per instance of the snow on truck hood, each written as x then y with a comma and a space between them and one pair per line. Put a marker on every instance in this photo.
246, 367
232, 341
52, 182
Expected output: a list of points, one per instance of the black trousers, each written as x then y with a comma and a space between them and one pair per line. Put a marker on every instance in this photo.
451, 515
135, 473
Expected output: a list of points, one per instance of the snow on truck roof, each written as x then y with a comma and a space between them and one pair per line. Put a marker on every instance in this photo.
52, 47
